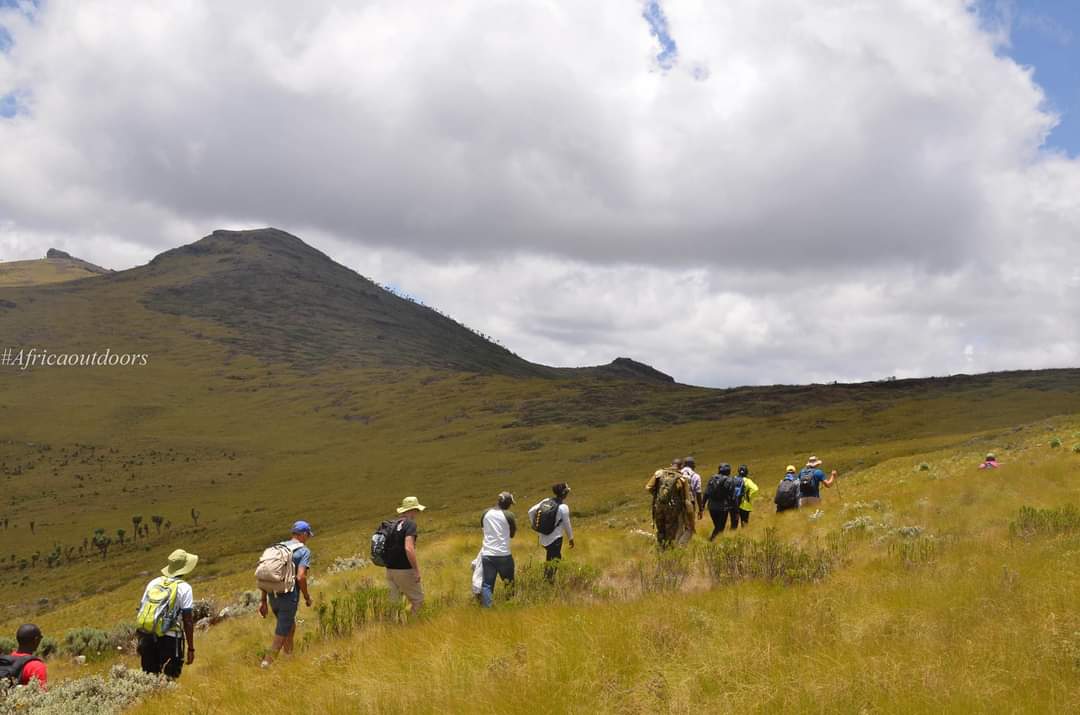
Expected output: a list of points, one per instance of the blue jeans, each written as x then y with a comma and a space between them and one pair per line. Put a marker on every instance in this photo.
501, 566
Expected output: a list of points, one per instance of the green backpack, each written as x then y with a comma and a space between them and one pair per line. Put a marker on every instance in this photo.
668, 498
158, 610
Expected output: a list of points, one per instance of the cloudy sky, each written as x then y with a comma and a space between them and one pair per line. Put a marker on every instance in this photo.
736, 193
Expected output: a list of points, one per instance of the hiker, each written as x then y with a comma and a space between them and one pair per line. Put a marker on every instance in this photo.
673, 508
689, 469
22, 666
990, 462
282, 577
750, 488
165, 621
551, 518
499, 527
724, 494
810, 480
787, 491
402, 569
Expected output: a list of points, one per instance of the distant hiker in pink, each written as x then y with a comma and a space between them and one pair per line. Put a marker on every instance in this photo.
990, 462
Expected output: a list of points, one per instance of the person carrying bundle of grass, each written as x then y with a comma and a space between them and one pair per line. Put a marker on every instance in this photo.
674, 508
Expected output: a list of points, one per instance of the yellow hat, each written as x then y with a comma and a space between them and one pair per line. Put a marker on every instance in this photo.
180, 563
790, 469
410, 503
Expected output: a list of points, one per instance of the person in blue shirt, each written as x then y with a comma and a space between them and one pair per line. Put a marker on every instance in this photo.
810, 480
285, 605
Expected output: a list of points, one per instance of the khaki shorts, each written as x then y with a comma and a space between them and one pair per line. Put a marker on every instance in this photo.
403, 582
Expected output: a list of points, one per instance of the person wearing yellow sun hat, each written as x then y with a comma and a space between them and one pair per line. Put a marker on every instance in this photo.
165, 621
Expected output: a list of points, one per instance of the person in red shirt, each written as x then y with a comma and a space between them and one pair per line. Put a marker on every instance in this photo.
29, 638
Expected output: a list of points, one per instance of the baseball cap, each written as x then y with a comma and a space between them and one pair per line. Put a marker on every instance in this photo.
302, 527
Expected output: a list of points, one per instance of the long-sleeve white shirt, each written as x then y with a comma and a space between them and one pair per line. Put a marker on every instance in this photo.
562, 520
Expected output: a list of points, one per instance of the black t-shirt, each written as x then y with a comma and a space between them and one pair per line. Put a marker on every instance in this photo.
396, 558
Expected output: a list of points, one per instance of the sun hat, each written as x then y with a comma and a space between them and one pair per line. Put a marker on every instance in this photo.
790, 469
410, 504
813, 461
302, 527
990, 457
180, 563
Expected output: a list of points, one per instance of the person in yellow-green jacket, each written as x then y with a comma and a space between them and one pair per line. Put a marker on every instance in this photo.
748, 492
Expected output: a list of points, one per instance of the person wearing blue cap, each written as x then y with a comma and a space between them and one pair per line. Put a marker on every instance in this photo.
293, 582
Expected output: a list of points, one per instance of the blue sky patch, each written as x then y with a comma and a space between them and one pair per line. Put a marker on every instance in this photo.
658, 28
1045, 35
12, 104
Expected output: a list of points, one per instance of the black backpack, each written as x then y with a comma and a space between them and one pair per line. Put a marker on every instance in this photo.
724, 490
787, 494
387, 541
547, 517
806, 481
11, 667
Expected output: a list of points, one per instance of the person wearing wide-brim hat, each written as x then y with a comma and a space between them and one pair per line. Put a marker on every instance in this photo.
810, 480
167, 630
402, 568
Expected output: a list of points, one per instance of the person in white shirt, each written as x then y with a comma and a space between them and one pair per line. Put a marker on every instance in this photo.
690, 470
553, 542
499, 527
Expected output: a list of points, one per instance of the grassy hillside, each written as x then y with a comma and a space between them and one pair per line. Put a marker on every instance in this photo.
279, 385
915, 589
45, 270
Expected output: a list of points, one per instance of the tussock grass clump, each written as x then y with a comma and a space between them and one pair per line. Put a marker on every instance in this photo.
668, 571
769, 559
1055, 443
1045, 522
924, 467
95, 695
568, 579
916, 551
1076, 448
344, 613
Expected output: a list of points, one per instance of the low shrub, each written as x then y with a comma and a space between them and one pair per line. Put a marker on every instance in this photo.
94, 695
770, 559
123, 637
1055, 443
1076, 449
1043, 522
924, 467
91, 642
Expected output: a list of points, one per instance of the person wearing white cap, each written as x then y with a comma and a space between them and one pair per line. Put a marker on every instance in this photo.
165, 618
402, 568
810, 480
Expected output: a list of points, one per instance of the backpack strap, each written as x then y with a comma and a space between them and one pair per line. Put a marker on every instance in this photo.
20, 662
